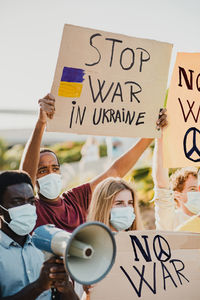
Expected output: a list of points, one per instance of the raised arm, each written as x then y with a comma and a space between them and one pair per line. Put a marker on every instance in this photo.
126, 161
164, 201
159, 173
31, 154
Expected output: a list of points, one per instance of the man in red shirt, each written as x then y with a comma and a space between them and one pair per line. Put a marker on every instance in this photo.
68, 210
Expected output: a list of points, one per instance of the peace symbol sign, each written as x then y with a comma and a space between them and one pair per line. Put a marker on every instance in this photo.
161, 248
190, 154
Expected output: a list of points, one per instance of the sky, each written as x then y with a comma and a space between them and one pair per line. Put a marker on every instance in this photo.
31, 30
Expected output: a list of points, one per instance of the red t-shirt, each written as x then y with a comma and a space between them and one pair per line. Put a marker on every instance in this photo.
68, 212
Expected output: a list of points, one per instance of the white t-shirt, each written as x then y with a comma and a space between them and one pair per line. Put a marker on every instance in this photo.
167, 216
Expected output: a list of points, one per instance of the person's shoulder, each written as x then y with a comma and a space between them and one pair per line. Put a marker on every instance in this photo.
77, 189
5, 240
192, 225
77, 194
37, 202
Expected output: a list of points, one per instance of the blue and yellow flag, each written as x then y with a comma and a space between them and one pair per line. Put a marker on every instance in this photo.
71, 82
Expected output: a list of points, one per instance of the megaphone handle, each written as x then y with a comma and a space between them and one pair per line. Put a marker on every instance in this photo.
55, 294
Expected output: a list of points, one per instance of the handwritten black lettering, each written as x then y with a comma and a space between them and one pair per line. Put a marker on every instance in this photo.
178, 271
197, 82
103, 116
164, 268
116, 93
145, 252
166, 274
142, 58
104, 90
191, 152
161, 248
71, 117
129, 118
91, 44
142, 279
99, 93
78, 115
112, 50
141, 115
190, 112
132, 60
132, 92
189, 82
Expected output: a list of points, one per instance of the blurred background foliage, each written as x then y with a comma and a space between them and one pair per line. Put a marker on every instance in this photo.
143, 182
68, 152
10, 156
71, 151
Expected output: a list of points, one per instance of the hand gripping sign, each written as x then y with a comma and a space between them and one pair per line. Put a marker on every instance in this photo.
109, 84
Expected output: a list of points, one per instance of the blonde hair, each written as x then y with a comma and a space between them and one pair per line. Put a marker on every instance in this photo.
103, 199
178, 179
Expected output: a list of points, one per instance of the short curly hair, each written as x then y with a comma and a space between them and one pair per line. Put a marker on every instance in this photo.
178, 179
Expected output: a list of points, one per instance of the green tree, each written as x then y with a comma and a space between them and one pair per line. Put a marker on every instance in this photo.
13, 156
3, 149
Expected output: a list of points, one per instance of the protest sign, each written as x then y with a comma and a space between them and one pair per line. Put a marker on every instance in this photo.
182, 136
109, 84
153, 265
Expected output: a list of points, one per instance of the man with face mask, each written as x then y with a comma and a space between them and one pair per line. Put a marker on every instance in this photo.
67, 211
24, 274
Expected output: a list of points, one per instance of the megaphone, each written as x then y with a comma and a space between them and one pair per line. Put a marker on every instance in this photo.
89, 252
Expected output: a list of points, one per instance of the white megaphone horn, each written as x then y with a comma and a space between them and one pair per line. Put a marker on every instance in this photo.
89, 252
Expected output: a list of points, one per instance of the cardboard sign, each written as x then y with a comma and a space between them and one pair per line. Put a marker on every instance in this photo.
153, 265
182, 136
109, 84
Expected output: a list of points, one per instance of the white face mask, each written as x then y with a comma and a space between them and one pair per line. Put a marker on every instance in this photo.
50, 186
23, 218
193, 202
121, 218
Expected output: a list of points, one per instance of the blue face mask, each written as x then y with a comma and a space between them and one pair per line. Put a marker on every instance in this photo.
121, 218
23, 218
193, 202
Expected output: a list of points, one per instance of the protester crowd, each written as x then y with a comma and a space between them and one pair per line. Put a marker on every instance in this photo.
108, 198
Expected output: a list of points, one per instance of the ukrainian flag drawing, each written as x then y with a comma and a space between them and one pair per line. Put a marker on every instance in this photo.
71, 82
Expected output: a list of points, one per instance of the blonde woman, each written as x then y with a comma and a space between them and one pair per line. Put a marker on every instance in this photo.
114, 203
